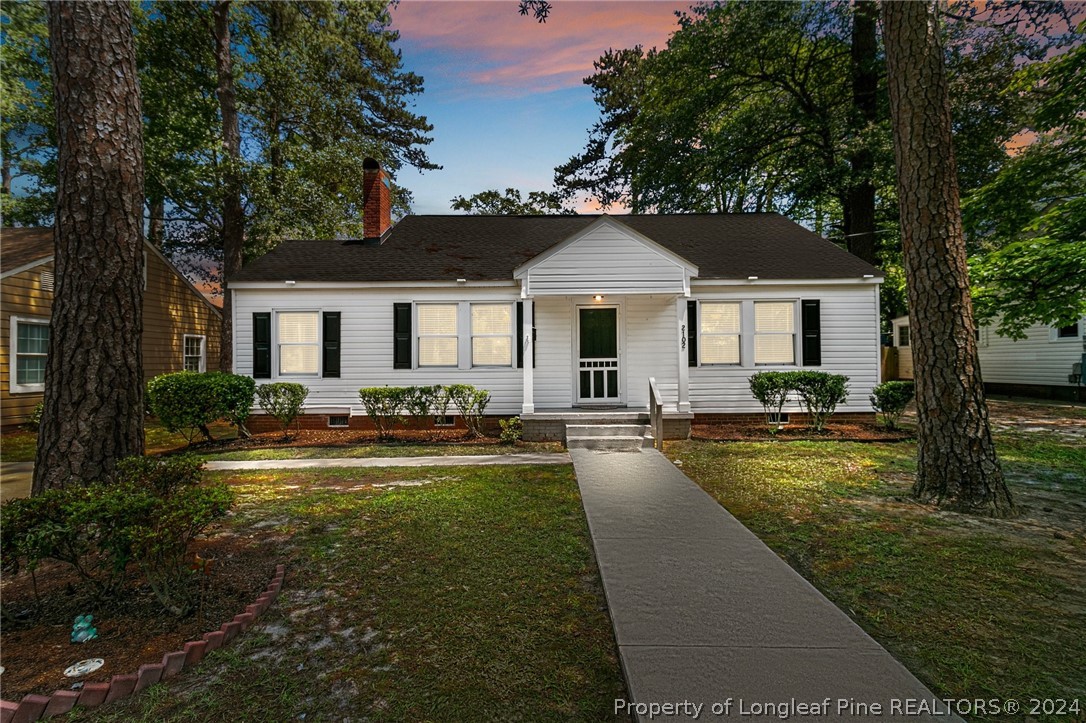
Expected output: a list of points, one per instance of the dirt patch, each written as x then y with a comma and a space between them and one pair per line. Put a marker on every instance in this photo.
132, 627
832, 432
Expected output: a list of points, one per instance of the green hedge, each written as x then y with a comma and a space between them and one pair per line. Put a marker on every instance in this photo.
890, 399
145, 516
187, 402
820, 393
282, 400
388, 406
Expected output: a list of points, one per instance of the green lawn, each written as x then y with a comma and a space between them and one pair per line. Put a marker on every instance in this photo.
974, 607
471, 596
392, 449
20, 445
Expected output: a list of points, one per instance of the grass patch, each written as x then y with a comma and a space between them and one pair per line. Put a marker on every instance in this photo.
21, 445
392, 449
470, 594
974, 607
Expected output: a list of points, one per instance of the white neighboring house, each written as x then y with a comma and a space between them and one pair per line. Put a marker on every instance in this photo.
1046, 364
558, 316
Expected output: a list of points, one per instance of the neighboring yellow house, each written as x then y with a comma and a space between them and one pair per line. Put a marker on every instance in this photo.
181, 328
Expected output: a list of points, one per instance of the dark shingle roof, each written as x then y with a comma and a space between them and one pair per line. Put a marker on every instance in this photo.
439, 248
21, 246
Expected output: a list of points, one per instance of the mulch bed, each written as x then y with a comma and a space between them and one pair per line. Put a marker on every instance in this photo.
133, 629
343, 438
832, 432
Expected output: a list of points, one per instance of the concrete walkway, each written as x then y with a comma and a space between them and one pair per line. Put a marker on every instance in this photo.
704, 613
473, 460
15, 479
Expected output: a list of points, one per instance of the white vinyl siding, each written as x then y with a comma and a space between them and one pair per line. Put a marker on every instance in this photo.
774, 332
366, 346
491, 335
606, 260
849, 336
437, 335
194, 353
1042, 358
298, 343
719, 332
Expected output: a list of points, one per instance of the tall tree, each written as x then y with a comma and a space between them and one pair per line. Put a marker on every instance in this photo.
957, 465
27, 119
859, 213
93, 407
233, 213
1029, 221
494, 203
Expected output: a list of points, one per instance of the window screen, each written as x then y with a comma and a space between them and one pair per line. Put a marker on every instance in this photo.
299, 352
719, 326
774, 332
491, 335
437, 335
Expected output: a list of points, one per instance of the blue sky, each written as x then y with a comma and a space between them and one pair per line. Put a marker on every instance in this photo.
505, 93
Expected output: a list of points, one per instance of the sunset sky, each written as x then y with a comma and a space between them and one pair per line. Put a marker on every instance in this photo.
504, 92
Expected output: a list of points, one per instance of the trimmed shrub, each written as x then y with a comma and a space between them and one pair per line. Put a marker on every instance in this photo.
771, 389
187, 402
420, 402
890, 399
385, 406
820, 393
282, 400
471, 403
147, 516
512, 430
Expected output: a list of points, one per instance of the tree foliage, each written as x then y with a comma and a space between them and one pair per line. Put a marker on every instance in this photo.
320, 87
494, 203
1030, 219
754, 106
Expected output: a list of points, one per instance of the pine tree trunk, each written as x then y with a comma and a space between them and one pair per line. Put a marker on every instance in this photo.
233, 214
156, 228
860, 216
93, 407
957, 464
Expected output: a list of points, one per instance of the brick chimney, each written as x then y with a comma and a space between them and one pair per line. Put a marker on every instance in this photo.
377, 201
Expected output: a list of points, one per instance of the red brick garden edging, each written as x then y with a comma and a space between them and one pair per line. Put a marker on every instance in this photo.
32, 706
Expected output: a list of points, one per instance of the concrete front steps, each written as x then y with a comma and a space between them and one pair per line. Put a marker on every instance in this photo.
615, 437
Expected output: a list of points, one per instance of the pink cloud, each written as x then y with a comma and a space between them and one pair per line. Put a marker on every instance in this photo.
506, 53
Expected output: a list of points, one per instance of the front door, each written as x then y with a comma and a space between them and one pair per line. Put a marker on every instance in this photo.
597, 365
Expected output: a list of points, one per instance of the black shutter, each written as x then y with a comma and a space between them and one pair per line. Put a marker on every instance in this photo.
401, 336
812, 332
330, 349
692, 333
520, 335
262, 345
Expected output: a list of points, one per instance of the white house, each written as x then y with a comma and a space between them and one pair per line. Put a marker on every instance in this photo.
1046, 364
560, 317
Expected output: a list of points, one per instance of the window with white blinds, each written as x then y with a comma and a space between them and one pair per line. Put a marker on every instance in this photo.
491, 335
774, 332
299, 346
718, 332
437, 332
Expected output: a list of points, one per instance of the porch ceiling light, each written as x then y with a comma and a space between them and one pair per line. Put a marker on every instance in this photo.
752, 278
598, 297
290, 283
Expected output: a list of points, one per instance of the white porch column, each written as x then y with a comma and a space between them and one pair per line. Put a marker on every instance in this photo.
683, 338
528, 344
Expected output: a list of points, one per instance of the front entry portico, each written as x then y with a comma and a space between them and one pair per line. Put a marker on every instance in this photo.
604, 312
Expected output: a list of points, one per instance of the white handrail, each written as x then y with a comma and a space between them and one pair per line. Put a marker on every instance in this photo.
656, 415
